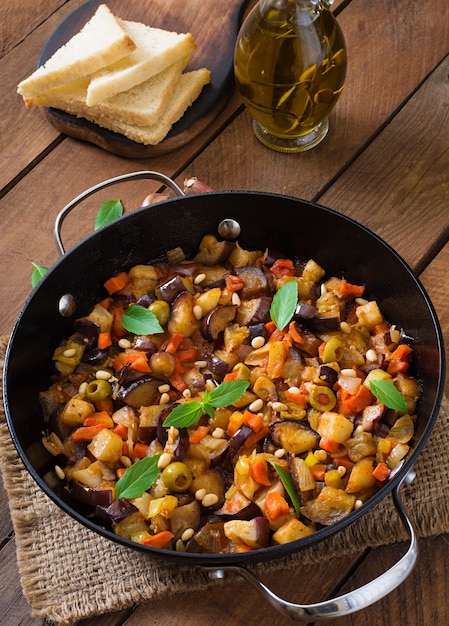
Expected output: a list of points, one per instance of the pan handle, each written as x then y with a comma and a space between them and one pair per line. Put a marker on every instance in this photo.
352, 601
150, 175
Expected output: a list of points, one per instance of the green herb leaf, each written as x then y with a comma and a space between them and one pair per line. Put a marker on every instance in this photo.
287, 481
138, 477
184, 415
140, 321
39, 272
108, 212
284, 304
386, 392
227, 393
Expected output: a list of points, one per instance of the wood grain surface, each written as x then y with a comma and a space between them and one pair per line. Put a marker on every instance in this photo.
204, 19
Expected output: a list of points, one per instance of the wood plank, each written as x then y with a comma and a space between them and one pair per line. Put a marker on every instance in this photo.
14, 609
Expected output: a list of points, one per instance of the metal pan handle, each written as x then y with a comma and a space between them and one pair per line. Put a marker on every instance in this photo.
107, 183
352, 601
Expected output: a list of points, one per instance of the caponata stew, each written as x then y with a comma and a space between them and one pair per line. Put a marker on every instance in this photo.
230, 402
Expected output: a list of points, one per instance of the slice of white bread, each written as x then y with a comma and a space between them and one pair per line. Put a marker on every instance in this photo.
188, 88
142, 105
156, 49
101, 41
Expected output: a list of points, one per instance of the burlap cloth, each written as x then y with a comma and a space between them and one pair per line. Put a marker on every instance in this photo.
53, 547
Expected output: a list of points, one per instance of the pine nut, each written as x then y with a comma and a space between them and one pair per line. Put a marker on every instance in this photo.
279, 406
358, 504
236, 299
199, 278
320, 455
187, 534
201, 364
341, 469
59, 472
69, 352
255, 406
82, 388
348, 373
294, 390
200, 493
164, 399
197, 312
258, 342
218, 433
361, 301
209, 499
125, 461
103, 375
279, 453
345, 328
164, 388
187, 393
124, 344
371, 356
164, 460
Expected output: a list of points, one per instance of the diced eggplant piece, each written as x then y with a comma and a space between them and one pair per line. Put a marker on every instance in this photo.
330, 506
119, 509
294, 436
216, 321
213, 482
140, 392
185, 517
328, 375
256, 330
169, 290
95, 356
270, 256
210, 539
239, 437
212, 251
255, 282
254, 311
88, 329
214, 276
90, 496
293, 366
215, 450
182, 319
148, 422
146, 343
254, 533
311, 343
304, 311
145, 300
162, 432
322, 324
179, 446
238, 506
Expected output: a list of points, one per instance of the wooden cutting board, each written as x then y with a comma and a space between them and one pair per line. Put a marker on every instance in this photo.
214, 25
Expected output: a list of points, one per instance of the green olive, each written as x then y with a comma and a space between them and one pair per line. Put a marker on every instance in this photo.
98, 390
162, 364
333, 350
177, 476
161, 310
322, 398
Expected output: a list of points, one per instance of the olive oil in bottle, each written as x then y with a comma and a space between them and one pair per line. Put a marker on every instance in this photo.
290, 66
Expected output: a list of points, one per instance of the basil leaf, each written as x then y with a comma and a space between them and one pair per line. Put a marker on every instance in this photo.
39, 272
386, 392
140, 321
227, 393
284, 304
287, 481
184, 415
108, 212
138, 477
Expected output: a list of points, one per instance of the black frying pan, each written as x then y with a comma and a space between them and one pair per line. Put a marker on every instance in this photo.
298, 228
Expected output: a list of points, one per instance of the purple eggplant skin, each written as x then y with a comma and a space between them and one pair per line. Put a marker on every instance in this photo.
142, 391
249, 510
88, 329
216, 321
145, 300
257, 330
217, 366
254, 311
255, 282
328, 375
89, 496
322, 324
181, 447
304, 311
119, 509
239, 437
169, 290
146, 344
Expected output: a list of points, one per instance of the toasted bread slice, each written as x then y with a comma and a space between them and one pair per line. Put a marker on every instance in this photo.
156, 49
101, 41
142, 105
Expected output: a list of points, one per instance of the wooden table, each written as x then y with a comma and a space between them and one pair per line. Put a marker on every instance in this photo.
384, 162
